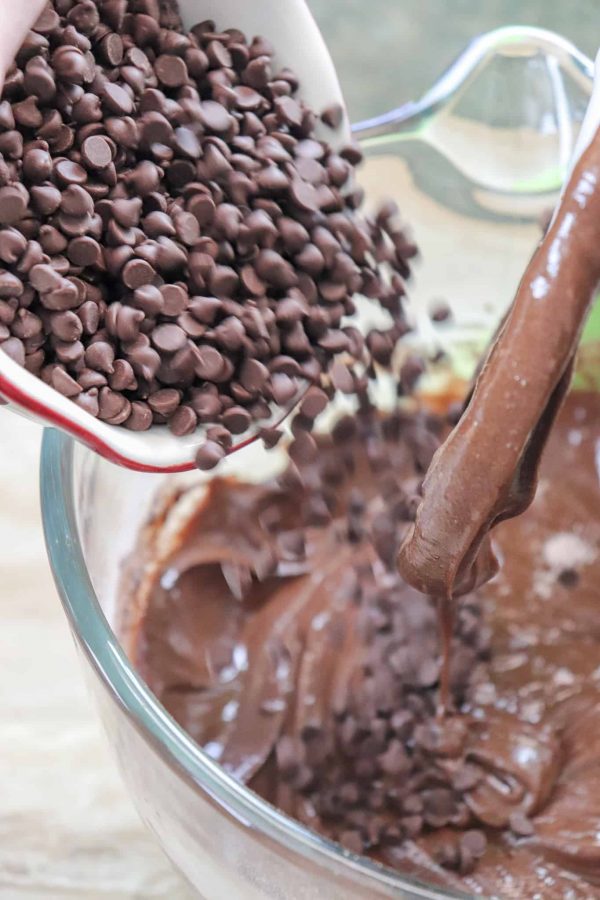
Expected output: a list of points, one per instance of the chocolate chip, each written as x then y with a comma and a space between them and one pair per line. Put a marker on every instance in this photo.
137, 273
100, 357
165, 401
304, 195
146, 139
149, 299
12, 245
140, 417
203, 208
209, 363
333, 115
183, 421
111, 49
84, 251
303, 448
237, 419
14, 348
46, 198
520, 825
569, 577
37, 165
253, 375
175, 299
122, 377
171, 71
214, 116
168, 338
76, 201
96, 152
66, 325
116, 99
289, 111
314, 402
209, 455
64, 383
13, 204
44, 278
10, 285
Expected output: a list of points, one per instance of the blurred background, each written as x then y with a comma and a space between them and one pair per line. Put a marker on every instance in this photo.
390, 51
67, 828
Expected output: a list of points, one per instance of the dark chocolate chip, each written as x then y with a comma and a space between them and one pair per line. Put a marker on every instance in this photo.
333, 115
209, 455
171, 71
96, 152
183, 421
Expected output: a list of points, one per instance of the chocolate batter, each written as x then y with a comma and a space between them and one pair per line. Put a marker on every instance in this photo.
280, 635
487, 470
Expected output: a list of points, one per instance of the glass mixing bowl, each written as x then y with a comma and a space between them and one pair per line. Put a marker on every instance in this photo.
473, 165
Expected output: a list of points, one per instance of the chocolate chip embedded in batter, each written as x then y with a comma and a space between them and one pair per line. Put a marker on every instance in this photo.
214, 116
209, 363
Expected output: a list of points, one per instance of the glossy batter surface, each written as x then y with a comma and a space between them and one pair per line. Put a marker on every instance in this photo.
262, 627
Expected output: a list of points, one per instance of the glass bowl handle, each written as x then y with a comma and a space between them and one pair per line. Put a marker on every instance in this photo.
512, 40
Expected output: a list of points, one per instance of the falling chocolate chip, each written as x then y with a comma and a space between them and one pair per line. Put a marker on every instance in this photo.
209, 455
333, 115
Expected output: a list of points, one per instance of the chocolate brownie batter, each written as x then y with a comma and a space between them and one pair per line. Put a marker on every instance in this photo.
280, 635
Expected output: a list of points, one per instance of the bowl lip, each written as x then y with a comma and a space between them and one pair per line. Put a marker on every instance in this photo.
177, 749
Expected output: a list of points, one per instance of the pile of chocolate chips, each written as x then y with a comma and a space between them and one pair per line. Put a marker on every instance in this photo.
386, 767
177, 246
